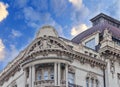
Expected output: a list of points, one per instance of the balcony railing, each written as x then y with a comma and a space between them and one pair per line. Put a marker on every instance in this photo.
50, 83
44, 83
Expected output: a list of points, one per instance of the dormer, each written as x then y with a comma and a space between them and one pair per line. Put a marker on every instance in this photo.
102, 18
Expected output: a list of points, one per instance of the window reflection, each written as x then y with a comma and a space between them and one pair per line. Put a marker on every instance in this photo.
71, 78
46, 75
90, 43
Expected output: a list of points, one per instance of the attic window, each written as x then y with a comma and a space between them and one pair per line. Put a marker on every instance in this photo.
90, 44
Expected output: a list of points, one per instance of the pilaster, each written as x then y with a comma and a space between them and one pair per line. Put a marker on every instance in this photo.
59, 74
30, 76
66, 74
55, 73
33, 75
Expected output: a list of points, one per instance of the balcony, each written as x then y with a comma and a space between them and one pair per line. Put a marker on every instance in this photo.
44, 83
50, 83
109, 46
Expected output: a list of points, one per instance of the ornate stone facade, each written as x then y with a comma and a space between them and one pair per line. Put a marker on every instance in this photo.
52, 61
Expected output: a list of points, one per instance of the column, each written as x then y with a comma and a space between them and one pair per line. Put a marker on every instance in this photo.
25, 77
59, 74
33, 75
55, 73
30, 76
66, 74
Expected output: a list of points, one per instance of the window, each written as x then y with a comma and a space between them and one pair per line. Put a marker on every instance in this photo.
39, 75
71, 78
92, 82
97, 83
87, 82
118, 75
51, 74
27, 73
46, 74
90, 43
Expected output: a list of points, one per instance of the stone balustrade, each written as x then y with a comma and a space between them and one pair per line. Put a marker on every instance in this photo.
110, 46
50, 83
44, 83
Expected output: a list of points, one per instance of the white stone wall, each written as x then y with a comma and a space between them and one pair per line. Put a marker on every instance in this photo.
18, 78
81, 71
112, 79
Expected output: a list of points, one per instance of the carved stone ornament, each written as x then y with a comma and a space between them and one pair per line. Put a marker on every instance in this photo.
71, 69
91, 75
118, 75
46, 43
82, 60
112, 67
107, 35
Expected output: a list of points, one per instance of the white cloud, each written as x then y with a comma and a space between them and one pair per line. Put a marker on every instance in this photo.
2, 50
36, 19
78, 29
59, 7
10, 55
77, 3
16, 33
13, 52
80, 12
3, 11
20, 3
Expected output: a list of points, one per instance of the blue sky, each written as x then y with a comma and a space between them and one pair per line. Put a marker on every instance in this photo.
21, 19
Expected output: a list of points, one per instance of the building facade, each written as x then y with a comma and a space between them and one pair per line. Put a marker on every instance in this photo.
91, 59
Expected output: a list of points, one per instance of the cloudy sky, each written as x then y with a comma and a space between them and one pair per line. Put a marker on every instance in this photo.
21, 19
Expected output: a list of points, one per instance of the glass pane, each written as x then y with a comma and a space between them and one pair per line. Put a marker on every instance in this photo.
46, 75
90, 44
52, 74
71, 78
92, 82
39, 75
87, 82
